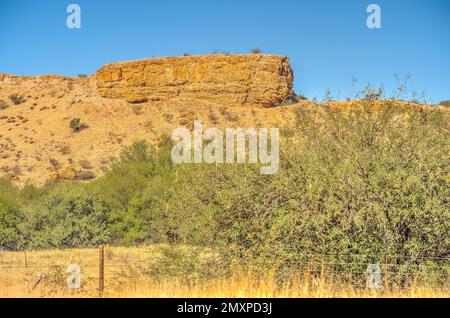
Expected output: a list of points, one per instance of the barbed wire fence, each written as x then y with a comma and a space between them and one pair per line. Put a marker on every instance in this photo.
376, 275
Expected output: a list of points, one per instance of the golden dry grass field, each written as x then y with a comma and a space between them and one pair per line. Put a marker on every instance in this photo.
43, 274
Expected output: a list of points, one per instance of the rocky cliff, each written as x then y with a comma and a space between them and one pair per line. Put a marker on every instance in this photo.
249, 80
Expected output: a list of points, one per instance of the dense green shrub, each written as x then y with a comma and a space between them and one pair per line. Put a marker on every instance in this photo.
186, 264
86, 175
138, 151
370, 185
76, 125
445, 103
11, 216
354, 188
68, 216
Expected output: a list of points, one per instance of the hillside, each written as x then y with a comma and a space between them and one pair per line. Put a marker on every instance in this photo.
360, 182
37, 143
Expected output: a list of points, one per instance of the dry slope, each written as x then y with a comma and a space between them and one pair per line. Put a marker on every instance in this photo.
250, 80
36, 143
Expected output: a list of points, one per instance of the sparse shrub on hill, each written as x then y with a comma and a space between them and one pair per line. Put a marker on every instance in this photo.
64, 150
76, 125
137, 110
138, 151
85, 175
16, 171
213, 118
85, 164
3, 105
300, 96
445, 103
288, 101
328, 97
256, 50
229, 116
354, 188
370, 93
220, 52
17, 99
55, 164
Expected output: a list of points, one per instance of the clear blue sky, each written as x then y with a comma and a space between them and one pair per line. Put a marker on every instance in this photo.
328, 41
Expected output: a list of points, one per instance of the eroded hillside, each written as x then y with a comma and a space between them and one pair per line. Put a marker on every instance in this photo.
130, 101
37, 143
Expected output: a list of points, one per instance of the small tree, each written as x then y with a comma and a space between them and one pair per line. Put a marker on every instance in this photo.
256, 50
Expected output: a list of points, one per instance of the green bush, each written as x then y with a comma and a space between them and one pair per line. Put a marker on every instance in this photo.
76, 125
11, 216
354, 188
85, 175
67, 217
445, 103
17, 99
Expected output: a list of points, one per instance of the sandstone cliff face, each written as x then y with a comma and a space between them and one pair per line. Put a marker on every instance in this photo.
250, 80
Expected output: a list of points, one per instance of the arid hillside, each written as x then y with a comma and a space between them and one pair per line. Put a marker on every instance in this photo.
37, 143
130, 101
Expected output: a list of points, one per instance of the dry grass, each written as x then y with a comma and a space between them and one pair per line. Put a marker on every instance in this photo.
45, 276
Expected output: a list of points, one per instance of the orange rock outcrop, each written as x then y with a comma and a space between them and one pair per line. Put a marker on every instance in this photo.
244, 80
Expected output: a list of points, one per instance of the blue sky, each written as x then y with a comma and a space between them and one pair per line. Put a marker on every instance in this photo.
328, 42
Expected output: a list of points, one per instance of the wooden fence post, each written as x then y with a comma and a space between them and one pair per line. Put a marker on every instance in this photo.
386, 274
101, 271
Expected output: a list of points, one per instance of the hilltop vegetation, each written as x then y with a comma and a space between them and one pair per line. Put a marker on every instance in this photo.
445, 103
359, 186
